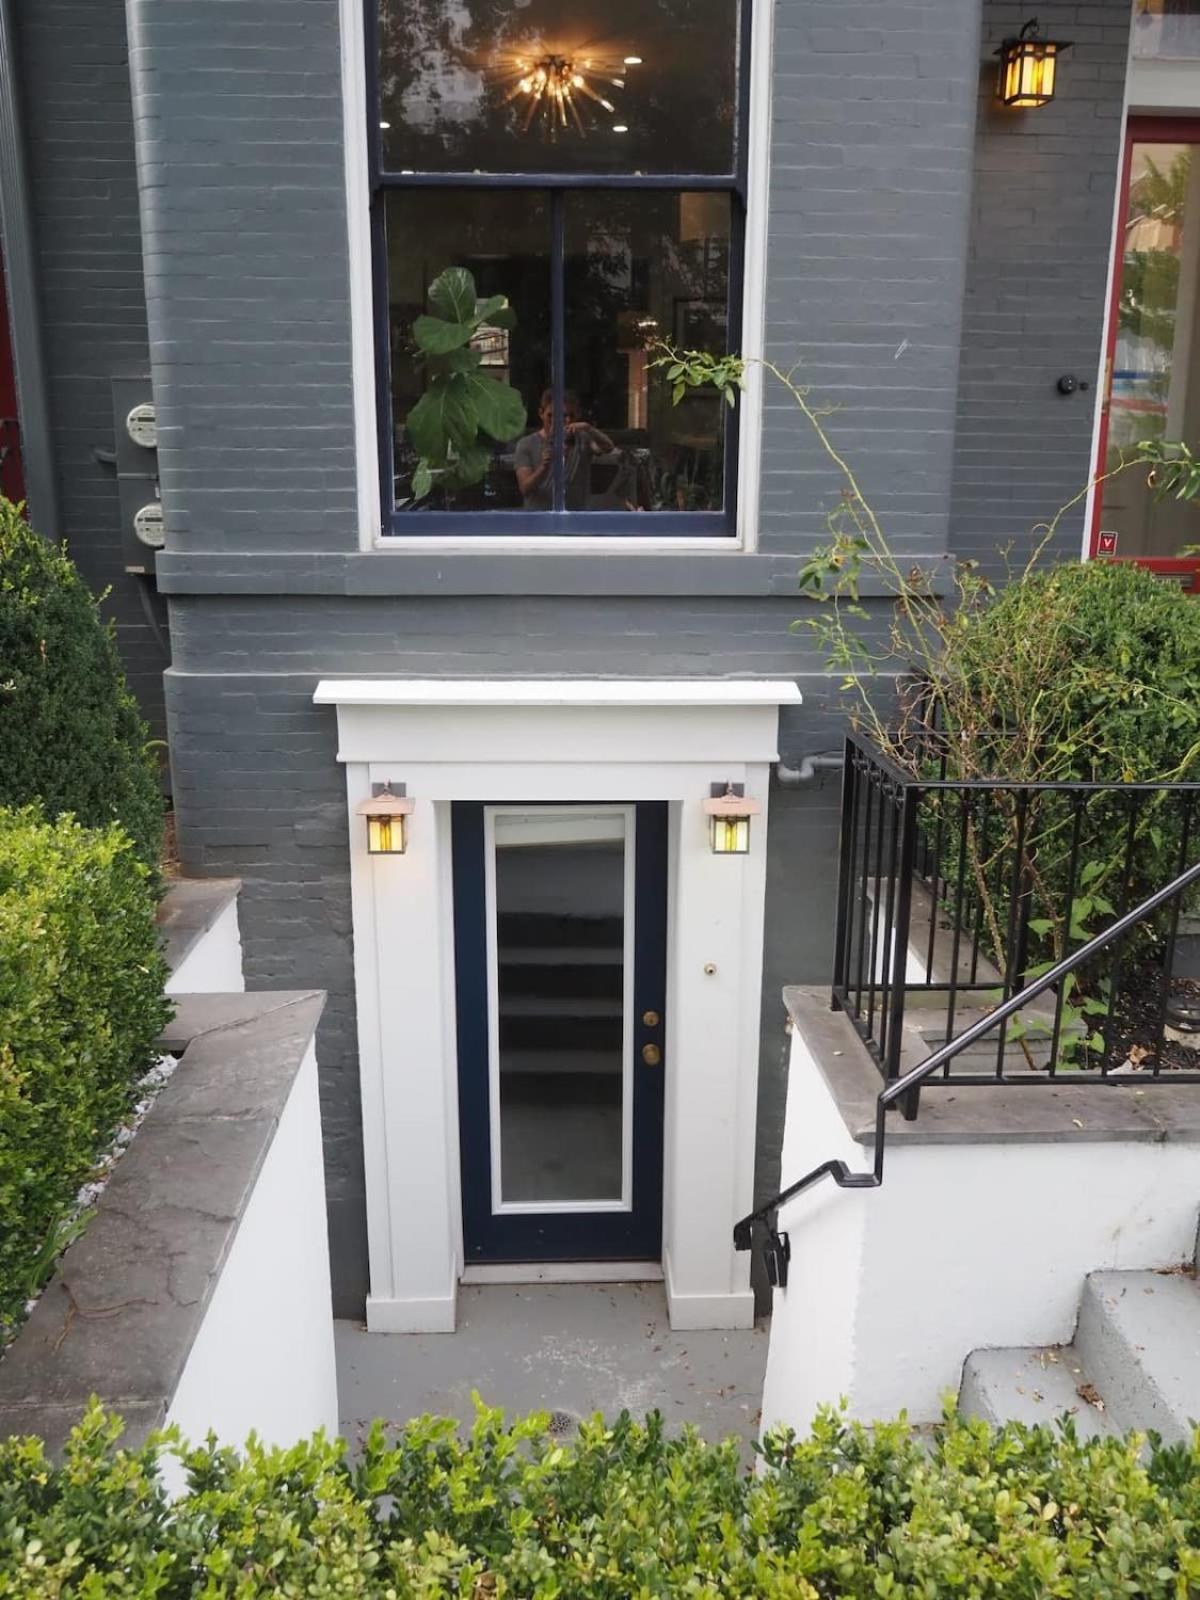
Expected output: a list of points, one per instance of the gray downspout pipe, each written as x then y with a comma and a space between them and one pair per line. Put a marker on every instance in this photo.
20, 267
792, 777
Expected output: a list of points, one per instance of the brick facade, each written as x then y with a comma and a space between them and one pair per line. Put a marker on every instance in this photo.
890, 257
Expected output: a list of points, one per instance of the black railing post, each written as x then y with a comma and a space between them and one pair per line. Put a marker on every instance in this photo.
898, 930
846, 851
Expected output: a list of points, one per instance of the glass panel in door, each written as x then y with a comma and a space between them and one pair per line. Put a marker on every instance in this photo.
560, 1089
1154, 372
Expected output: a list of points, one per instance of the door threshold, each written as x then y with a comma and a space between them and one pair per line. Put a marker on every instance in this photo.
564, 1272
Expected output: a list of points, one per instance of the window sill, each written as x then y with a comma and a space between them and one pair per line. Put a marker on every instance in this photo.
529, 571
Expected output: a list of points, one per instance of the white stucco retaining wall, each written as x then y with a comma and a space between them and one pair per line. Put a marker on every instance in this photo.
969, 1243
263, 1358
213, 965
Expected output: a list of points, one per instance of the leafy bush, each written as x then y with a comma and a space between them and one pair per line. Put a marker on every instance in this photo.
1100, 660
854, 1513
70, 732
81, 984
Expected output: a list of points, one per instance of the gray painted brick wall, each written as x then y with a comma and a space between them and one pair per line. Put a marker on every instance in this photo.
261, 795
240, 145
241, 163
239, 125
1041, 233
79, 138
874, 115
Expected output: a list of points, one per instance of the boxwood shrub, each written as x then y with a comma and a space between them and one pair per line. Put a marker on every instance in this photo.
1092, 669
70, 732
624, 1513
81, 1001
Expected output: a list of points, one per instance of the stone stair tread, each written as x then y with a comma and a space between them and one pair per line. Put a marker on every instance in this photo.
1032, 1385
1139, 1335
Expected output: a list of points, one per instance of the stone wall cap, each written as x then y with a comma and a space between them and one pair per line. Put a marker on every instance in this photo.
120, 1315
1120, 1110
188, 910
200, 1014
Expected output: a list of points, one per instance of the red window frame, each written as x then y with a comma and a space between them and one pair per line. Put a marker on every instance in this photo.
1143, 129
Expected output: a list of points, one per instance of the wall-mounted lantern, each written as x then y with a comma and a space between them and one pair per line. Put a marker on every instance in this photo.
387, 813
729, 812
1028, 67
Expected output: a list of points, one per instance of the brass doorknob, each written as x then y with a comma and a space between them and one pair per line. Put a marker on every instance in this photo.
652, 1055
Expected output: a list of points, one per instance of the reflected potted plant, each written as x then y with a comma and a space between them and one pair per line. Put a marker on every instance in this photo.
465, 411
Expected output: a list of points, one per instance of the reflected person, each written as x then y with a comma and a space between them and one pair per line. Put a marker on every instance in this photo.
534, 459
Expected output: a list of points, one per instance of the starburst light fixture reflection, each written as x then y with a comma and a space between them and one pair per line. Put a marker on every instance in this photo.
552, 87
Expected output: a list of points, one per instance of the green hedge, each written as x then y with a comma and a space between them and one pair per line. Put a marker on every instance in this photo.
623, 1514
81, 1001
70, 732
1093, 666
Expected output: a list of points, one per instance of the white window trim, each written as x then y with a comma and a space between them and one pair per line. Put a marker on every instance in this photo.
362, 325
358, 231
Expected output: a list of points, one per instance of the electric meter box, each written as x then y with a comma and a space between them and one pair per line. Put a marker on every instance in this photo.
135, 431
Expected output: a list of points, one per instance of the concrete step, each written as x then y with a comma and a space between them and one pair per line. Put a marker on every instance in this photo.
1031, 1386
1139, 1340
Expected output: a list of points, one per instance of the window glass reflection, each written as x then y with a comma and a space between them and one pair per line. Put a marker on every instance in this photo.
643, 266
1166, 29
1154, 379
560, 990
639, 266
503, 238
543, 86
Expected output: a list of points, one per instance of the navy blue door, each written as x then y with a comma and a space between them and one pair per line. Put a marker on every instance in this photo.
560, 948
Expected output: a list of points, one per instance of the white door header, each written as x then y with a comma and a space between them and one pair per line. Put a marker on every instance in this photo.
716, 692
592, 722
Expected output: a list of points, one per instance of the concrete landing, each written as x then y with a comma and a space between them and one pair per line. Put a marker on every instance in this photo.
576, 1348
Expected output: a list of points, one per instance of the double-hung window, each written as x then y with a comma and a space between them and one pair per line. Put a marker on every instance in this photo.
587, 163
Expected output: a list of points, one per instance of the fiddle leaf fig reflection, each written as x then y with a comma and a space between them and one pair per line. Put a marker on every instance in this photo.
464, 409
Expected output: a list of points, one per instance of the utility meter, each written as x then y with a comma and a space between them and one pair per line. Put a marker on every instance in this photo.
148, 525
142, 426
135, 434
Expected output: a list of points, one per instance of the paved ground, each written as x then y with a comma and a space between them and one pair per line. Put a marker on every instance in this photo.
577, 1348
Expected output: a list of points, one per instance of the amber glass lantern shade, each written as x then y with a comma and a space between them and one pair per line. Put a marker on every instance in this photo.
729, 812
1029, 68
387, 813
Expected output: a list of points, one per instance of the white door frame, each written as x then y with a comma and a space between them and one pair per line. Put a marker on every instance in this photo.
545, 741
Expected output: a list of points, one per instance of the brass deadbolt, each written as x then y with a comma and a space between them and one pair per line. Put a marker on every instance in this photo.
651, 1019
652, 1055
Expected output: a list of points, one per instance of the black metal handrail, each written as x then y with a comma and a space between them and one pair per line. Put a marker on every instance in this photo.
777, 1250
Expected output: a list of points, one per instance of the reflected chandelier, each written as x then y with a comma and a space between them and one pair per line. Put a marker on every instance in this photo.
552, 86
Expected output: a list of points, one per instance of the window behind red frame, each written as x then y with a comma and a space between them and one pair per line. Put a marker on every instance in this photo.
1152, 372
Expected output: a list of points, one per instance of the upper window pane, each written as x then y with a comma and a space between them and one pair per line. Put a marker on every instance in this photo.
1166, 29
634, 86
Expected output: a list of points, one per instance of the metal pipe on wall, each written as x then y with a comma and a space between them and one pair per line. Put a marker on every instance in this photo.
20, 260
791, 777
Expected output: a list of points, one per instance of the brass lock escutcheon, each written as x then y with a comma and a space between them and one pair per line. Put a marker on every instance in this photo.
652, 1055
